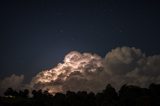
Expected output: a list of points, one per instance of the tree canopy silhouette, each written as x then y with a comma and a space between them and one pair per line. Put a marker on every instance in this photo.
128, 95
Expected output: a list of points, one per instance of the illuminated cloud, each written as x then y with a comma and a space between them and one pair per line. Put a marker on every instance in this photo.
90, 72
77, 72
13, 81
86, 71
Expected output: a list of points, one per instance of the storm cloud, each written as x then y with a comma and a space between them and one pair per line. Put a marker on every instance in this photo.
79, 71
130, 66
90, 72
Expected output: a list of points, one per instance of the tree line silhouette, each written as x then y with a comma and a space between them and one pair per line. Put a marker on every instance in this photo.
128, 95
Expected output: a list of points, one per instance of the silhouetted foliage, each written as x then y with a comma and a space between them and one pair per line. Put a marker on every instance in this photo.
24, 93
128, 95
10, 92
155, 93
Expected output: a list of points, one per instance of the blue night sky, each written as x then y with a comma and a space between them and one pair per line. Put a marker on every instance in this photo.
36, 35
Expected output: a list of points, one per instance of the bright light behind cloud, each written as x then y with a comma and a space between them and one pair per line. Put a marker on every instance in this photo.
86, 71
90, 72
73, 62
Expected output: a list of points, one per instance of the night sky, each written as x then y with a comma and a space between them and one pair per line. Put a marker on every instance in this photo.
36, 35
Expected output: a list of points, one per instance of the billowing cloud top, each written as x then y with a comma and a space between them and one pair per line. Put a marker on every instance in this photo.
131, 66
90, 72
86, 71
75, 69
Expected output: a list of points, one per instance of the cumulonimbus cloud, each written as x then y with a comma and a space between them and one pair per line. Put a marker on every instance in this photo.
130, 66
87, 71
78, 71
91, 72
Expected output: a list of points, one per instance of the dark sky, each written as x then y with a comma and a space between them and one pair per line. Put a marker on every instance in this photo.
36, 35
